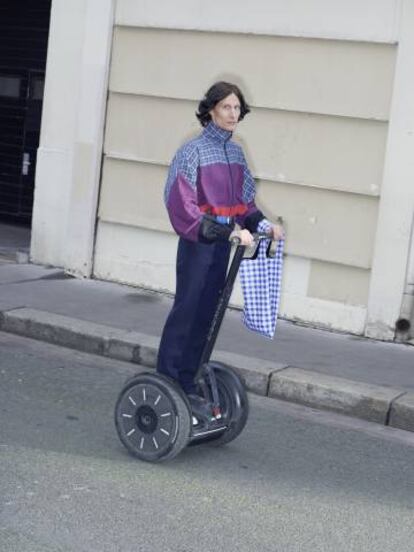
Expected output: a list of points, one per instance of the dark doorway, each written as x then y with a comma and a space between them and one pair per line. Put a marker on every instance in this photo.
24, 31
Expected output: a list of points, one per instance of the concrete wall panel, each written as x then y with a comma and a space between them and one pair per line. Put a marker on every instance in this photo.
148, 129
371, 20
344, 284
321, 224
327, 152
319, 76
136, 256
132, 194
313, 150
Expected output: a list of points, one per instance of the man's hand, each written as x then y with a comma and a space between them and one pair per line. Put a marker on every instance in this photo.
277, 231
244, 236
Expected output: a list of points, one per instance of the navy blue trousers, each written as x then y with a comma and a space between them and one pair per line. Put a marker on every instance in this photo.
200, 273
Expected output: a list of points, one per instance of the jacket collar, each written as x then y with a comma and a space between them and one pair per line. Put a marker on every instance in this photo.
214, 132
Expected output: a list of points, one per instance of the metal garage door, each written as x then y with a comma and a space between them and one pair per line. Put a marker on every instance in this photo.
24, 29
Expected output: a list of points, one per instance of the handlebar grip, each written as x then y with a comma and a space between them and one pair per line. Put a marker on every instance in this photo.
235, 240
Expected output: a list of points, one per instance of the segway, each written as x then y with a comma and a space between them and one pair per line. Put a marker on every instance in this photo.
153, 415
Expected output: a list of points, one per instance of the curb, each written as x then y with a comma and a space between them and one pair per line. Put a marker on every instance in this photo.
388, 406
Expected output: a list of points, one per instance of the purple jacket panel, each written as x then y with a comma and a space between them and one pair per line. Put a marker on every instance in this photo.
184, 213
225, 185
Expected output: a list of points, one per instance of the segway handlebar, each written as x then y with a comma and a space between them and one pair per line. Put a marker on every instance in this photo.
257, 236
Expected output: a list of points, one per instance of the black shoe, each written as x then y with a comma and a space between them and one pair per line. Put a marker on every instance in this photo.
201, 409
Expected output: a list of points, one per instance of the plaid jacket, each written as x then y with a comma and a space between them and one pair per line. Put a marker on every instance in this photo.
209, 177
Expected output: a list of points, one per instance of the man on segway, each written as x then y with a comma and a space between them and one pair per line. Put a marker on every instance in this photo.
191, 400
209, 189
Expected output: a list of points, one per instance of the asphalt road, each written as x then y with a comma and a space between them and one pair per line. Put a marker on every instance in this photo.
295, 481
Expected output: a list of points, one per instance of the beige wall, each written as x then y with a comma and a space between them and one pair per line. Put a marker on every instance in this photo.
330, 140
316, 141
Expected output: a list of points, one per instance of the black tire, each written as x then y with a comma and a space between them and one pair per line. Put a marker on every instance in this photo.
234, 402
152, 418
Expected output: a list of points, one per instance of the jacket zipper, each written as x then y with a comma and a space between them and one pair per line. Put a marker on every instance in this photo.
231, 176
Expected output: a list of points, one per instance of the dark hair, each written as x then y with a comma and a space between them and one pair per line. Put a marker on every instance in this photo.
214, 95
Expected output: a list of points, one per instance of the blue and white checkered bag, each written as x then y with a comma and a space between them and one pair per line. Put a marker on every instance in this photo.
261, 284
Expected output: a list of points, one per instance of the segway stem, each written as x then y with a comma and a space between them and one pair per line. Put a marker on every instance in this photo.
214, 391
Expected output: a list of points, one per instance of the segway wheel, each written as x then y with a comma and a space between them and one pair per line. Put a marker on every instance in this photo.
152, 418
234, 403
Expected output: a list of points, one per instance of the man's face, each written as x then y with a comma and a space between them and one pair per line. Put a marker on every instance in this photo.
226, 113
